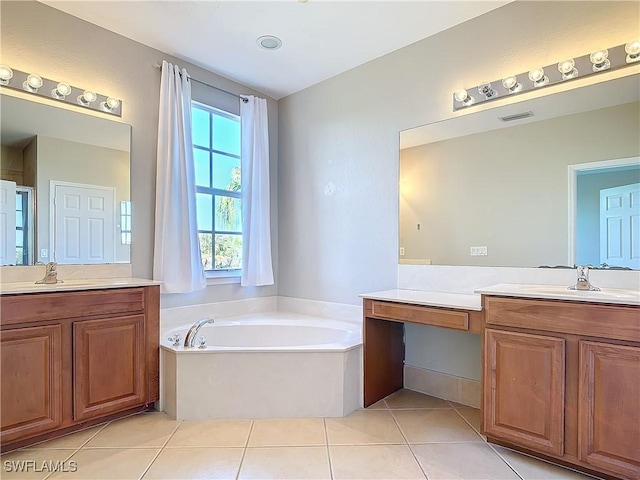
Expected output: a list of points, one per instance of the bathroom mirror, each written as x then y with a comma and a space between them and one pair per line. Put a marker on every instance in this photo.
65, 189
481, 190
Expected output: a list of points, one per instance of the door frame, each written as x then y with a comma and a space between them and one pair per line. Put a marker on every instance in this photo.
52, 212
573, 171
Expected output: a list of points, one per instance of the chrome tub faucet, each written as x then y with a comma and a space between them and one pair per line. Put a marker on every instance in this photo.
583, 279
50, 275
190, 339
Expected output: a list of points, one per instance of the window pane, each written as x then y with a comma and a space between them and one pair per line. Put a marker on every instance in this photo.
19, 256
19, 238
228, 252
226, 173
200, 127
228, 214
226, 135
19, 219
204, 214
203, 167
206, 250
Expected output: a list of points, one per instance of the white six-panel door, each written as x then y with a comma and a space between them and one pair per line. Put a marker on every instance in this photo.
85, 223
7, 222
620, 226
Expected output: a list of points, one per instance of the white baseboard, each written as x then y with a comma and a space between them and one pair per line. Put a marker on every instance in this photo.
456, 389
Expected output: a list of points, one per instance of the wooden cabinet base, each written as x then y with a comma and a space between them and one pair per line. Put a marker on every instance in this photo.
10, 446
568, 464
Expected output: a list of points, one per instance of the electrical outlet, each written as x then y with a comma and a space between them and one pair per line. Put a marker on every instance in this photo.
401, 251
478, 251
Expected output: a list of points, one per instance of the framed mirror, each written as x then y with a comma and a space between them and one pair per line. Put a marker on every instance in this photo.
529, 184
64, 186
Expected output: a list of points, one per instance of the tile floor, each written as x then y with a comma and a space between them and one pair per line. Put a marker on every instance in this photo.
405, 436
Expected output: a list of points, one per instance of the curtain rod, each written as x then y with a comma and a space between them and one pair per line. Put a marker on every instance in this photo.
245, 100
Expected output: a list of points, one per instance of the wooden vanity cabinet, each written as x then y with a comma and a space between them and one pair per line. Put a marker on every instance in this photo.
71, 359
562, 379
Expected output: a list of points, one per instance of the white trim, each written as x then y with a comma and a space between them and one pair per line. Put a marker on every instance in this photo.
573, 171
222, 277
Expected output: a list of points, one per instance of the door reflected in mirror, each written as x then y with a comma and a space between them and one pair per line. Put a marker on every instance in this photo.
504, 197
64, 186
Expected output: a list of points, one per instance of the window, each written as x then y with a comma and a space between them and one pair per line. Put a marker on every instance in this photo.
24, 225
125, 222
216, 152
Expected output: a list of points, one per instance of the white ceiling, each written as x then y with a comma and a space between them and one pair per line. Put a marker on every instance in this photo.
321, 38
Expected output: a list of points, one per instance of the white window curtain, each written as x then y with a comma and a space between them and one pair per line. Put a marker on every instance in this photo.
257, 269
176, 260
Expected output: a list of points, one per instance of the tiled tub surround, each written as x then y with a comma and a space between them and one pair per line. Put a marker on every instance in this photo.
405, 436
264, 365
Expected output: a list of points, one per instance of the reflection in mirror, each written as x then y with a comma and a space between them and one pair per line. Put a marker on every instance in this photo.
534, 194
64, 185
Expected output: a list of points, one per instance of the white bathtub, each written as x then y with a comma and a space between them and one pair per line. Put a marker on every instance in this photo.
268, 365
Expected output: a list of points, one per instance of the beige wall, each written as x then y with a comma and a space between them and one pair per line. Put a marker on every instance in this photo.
73, 162
338, 195
505, 189
36, 37
11, 164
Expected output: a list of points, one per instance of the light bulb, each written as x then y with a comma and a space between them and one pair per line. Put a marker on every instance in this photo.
6, 74
487, 90
511, 83
600, 60
87, 98
463, 97
32, 83
110, 104
568, 69
538, 77
633, 51
61, 91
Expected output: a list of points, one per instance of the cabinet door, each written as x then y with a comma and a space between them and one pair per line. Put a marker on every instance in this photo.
109, 365
31, 372
523, 377
609, 407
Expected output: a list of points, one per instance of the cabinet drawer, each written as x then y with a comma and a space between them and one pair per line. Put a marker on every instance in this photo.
53, 306
605, 321
417, 314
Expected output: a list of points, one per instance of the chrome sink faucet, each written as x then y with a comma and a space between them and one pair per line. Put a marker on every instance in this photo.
50, 275
190, 339
583, 280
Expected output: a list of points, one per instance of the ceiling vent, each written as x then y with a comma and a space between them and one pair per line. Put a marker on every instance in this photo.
517, 116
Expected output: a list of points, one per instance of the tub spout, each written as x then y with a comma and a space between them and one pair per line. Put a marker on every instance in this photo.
190, 339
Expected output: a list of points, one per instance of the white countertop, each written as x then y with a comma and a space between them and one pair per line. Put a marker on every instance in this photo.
560, 292
77, 284
433, 299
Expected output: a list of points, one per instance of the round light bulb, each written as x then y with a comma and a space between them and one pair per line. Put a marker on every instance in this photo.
461, 95
34, 81
89, 96
566, 66
633, 51
61, 91
632, 48
536, 74
509, 82
6, 74
112, 103
599, 57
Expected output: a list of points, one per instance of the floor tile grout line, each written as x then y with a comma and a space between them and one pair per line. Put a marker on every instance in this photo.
244, 450
326, 441
64, 461
469, 423
155, 457
413, 454
505, 461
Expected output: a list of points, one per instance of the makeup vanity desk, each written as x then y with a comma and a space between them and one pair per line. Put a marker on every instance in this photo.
385, 314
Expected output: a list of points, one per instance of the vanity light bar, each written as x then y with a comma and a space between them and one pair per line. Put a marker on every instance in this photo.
567, 69
60, 91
